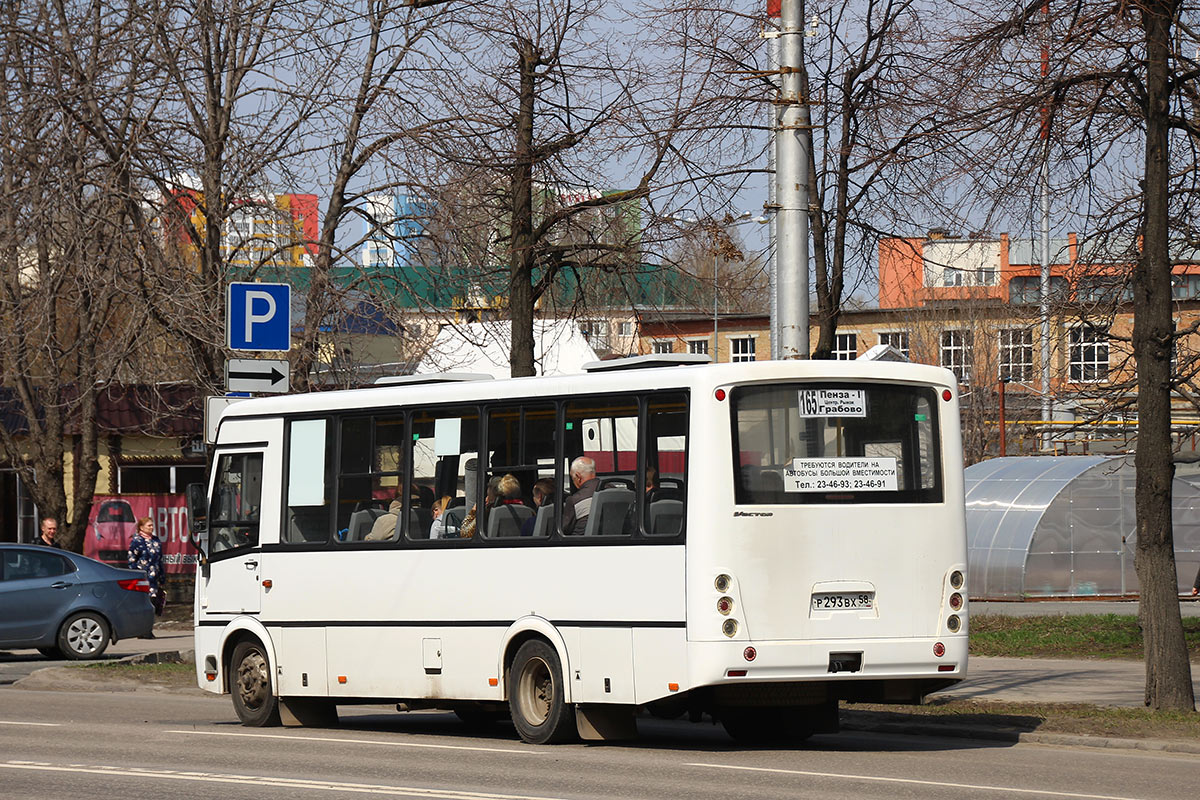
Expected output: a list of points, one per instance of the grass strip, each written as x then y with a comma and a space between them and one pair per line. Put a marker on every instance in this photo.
1066, 636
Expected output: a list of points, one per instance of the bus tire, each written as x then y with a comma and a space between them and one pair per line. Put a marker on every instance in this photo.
250, 684
536, 695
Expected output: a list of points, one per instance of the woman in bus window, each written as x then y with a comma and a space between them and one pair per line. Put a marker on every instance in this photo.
438, 529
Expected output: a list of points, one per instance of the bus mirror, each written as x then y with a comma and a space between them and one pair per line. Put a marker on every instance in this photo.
197, 508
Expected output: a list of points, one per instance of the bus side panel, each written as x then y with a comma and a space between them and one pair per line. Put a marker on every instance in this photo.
661, 657
301, 662
606, 674
403, 662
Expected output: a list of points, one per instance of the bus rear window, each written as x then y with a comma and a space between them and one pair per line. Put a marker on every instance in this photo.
805, 443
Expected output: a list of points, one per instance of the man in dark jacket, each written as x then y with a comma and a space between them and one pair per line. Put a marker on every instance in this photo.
577, 507
49, 529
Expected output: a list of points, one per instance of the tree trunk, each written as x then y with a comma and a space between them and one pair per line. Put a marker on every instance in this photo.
520, 258
1168, 673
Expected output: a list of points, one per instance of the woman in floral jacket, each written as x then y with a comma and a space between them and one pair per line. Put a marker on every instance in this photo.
145, 554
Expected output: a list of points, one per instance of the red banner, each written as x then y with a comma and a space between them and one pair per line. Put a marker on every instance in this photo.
113, 522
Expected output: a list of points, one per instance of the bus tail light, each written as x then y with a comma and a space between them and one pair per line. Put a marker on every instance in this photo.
735, 673
720, 395
947, 667
946, 395
725, 605
956, 580
953, 623
749, 654
956, 601
939, 649
730, 627
722, 583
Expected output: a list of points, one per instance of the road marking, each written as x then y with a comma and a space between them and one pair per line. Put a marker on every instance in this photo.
914, 781
39, 724
529, 752
259, 780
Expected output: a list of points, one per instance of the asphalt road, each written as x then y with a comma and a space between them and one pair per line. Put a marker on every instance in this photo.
67, 744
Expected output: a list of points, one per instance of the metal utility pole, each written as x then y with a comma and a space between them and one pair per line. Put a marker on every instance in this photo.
791, 187
1047, 412
772, 202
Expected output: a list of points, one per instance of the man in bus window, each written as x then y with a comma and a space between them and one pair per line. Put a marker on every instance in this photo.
577, 507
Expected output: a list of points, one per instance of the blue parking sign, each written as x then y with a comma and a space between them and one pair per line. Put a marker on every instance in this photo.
258, 316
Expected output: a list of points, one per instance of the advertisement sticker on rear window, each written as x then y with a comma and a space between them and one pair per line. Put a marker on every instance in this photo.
833, 403
840, 474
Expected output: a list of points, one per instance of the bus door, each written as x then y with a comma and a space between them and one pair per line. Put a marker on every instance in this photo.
230, 581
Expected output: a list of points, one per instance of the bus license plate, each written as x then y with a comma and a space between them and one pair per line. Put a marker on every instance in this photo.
834, 601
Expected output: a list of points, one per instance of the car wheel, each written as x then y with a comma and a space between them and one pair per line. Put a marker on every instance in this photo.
83, 636
52, 653
250, 684
536, 696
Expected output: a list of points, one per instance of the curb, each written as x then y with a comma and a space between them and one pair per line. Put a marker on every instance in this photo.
1022, 737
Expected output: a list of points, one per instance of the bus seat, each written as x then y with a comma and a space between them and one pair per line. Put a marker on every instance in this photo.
616, 483
544, 523
361, 522
666, 517
454, 519
610, 507
506, 520
420, 520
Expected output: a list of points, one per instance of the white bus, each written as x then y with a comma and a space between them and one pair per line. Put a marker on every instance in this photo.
763, 540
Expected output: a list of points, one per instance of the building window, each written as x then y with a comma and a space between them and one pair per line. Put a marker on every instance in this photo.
1103, 289
1028, 289
154, 479
660, 346
845, 346
1016, 354
596, 333
627, 328
1088, 349
897, 340
1185, 287
956, 354
741, 349
698, 347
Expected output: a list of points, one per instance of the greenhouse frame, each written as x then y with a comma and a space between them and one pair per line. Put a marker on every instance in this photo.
1063, 526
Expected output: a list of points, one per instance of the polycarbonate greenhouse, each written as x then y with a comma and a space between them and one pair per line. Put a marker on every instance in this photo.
1063, 526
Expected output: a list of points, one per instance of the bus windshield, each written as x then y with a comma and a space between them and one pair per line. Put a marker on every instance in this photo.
807, 443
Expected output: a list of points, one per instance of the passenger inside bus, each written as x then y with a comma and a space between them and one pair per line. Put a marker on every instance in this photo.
578, 506
384, 527
509, 511
543, 501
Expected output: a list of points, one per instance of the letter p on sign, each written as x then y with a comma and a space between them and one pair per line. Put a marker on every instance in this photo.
258, 316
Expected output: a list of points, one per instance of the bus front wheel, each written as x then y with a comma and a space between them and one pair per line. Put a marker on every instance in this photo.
250, 684
536, 695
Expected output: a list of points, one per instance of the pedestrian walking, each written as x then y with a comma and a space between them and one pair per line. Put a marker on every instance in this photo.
145, 554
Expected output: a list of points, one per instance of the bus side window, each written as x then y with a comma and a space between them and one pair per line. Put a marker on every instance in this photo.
665, 467
372, 486
520, 447
606, 430
307, 491
444, 444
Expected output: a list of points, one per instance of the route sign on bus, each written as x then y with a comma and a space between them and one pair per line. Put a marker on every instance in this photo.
833, 403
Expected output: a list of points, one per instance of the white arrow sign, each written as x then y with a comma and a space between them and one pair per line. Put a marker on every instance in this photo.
256, 375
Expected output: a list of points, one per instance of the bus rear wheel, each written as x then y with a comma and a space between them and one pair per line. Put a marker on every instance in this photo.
536, 695
250, 684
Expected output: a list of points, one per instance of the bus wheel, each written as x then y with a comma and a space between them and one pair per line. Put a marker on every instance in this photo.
250, 684
766, 725
535, 695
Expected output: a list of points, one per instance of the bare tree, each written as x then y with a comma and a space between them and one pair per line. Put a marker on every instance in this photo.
1110, 96
67, 243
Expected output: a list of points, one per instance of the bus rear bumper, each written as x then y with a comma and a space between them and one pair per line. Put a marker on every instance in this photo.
899, 668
